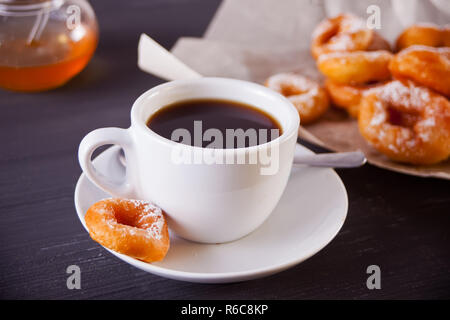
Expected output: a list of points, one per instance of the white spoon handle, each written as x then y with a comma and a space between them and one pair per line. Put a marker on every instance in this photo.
155, 59
332, 160
327, 160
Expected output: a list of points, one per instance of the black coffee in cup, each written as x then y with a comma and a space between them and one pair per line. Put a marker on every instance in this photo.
213, 123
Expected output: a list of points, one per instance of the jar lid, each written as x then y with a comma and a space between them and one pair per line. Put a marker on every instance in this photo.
24, 7
23, 2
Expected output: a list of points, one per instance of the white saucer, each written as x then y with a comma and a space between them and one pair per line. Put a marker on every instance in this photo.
310, 213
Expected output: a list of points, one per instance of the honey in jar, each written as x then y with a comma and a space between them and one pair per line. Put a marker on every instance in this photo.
40, 50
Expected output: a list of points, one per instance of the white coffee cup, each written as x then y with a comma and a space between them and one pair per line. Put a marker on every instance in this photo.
204, 202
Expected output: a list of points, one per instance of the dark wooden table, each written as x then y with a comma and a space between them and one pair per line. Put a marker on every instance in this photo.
398, 222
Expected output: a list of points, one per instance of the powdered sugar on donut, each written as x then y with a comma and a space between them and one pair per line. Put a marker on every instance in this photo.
405, 96
368, 55
379, 115
308, 97
149, 210
353, 24
301, 90
421, 134
342, 42
347, 27
279, 82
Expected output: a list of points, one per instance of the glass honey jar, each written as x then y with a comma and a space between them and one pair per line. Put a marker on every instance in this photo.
44, 43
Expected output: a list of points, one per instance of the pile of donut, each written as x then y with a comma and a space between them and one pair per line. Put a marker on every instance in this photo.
399, 99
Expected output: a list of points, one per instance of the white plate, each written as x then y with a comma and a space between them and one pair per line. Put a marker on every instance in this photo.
310, 213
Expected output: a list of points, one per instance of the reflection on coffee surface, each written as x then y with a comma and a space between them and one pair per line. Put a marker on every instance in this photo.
213, 123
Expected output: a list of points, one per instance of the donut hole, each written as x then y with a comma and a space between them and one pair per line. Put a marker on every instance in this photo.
123, 217
401, 118
126, 216
371, 83
288, 90
331, 34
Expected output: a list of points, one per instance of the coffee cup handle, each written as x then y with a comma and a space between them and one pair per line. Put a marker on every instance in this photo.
96, 139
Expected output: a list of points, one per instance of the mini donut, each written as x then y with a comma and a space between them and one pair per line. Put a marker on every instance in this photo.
308, 97
406, 122
427, 66
426, 34
345, 32
357, 67
132, 227
347, 97
447, 36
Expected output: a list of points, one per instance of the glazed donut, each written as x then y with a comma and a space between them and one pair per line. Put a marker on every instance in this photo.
347, 97
406, 122
132, 227
345, 32
308, 97
425, 65
426, 34
357, 67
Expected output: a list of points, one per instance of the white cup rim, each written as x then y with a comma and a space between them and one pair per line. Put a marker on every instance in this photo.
288, 130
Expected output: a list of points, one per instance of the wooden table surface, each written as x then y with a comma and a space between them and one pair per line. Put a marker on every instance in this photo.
398, 222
